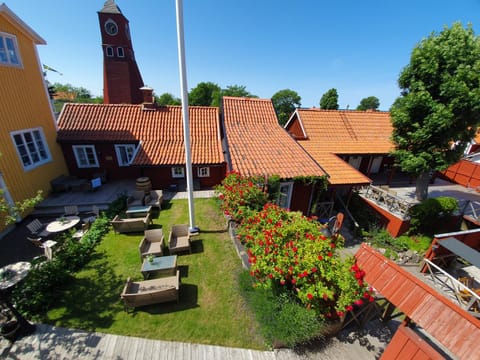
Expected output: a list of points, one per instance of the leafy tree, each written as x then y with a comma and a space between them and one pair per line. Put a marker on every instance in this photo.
369, 103
439, 106
329, 100
285, 101
203, 94
71, 92
168, 99
231, 90
9, 212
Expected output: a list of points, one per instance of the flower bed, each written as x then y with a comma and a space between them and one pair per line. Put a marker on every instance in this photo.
289, 254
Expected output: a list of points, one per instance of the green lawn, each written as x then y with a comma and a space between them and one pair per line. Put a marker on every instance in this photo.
211, 309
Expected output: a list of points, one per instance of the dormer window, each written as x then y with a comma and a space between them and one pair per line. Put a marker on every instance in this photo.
109, 51
9, 54
120, 52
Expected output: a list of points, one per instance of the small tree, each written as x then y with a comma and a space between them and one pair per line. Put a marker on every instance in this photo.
10, 212
168, 99
329, 100
203, 94
231, 90
285, 101
440, 104
369, 103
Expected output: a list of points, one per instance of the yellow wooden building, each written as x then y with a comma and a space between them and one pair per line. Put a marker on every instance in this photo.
29, 154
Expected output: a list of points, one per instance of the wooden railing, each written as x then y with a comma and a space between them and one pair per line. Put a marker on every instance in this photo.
388, 199
465, 297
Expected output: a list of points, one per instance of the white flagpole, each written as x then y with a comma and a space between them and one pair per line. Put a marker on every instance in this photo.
186, 126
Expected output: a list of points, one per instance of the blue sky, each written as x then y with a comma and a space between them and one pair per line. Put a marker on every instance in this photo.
310, 46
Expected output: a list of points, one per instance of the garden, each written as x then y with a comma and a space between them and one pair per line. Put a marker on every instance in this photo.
80, 288
299, 284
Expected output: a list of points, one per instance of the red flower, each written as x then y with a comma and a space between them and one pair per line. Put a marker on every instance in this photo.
332, 245
314, 270
358, 302
282, 282
349, 308
325, 297
293, 281
270, 276
330, 254
371, 299
309, 296
320, 257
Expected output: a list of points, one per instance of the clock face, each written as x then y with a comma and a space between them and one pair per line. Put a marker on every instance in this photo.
111, 27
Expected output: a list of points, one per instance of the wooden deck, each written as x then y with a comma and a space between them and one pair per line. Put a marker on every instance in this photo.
53, 203
50, 342
59, 343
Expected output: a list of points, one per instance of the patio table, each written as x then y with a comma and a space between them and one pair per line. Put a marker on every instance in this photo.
10, 276
62, 224
161, 265
138, 211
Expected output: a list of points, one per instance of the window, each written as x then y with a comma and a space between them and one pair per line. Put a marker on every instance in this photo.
85, 155
178, 172
285, 194
31, 147
9, 53
120, 52
203, 172
125, 154
109, 51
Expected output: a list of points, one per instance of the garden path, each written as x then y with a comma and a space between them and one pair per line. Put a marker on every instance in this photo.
50, 342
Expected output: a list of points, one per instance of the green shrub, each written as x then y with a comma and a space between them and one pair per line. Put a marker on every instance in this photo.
425, 217
282, 319
117, 206
37, 292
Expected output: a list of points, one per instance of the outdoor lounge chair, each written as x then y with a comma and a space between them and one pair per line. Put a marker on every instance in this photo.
179, 239
36, 228
137, 198
131, 224
151, 244
154, 198
148, 292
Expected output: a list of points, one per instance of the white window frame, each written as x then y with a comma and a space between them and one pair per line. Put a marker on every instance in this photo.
9, 52
120, 52
80, 157
178, 172
109, 51
284, 198
203, 171
31, 146
129, 150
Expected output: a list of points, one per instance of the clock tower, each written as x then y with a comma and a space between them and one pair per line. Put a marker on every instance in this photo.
121, 77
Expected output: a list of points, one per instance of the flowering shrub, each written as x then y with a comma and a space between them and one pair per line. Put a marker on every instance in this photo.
241, 195
288, 252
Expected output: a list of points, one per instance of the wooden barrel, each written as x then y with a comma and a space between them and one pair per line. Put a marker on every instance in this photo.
144, 184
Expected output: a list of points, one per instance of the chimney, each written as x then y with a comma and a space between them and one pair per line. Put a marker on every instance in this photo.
147, 93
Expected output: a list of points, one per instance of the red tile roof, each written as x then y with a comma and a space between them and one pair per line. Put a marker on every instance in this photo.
160, 130
327, 133
452, 326
258, 145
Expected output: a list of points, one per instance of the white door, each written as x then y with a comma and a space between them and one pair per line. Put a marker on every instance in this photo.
285, 194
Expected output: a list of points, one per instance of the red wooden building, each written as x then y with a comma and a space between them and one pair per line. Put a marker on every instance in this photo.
257, 145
